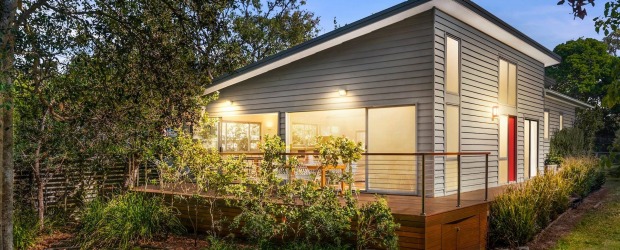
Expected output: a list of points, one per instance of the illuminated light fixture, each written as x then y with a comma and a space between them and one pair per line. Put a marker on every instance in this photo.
494, 112
342, 92
229, 103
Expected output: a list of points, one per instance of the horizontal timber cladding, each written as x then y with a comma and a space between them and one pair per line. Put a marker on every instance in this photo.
391, 66
556, 108
480, 56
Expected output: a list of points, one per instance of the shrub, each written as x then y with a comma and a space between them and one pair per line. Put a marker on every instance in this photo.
25, 228
583, 174
569, 142
526, 208
375, 226
513, 219
301, 213
124, 220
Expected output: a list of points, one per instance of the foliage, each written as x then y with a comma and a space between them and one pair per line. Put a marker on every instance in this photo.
333, 150
584, 174
100, 81
616, 144
124, 220
25, 228
586, 70
375, 226
591, 122
302, 212
568, 142
578, 6
553, 159
526, 208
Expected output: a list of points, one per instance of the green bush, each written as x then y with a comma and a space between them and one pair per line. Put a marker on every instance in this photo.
569, 142
524, 209
124, 220
25, 228
301, 213
375, 226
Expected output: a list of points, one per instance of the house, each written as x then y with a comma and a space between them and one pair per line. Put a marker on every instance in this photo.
422, 76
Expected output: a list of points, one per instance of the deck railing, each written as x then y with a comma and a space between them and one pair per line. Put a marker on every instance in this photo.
256, 157
401, 159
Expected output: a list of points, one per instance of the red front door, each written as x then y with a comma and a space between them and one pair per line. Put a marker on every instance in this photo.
512, 148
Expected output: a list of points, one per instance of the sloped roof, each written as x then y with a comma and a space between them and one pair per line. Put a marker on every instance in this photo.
554, 95
464, 10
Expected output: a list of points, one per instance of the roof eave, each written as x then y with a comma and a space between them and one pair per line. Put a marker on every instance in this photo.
566, 99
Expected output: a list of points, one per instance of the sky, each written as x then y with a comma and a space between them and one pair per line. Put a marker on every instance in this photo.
542, 20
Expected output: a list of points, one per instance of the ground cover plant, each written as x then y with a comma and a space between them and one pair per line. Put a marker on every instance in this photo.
124, 220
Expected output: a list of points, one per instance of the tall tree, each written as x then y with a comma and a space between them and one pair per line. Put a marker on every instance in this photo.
115, 74
586, 71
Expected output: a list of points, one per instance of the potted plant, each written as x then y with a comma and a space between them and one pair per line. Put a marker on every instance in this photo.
553, 161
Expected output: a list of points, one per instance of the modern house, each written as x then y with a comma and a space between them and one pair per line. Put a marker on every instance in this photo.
422, 76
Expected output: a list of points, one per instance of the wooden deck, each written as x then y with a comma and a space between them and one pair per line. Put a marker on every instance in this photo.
445, 226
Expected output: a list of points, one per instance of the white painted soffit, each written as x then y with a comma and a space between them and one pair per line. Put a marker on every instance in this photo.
450, 7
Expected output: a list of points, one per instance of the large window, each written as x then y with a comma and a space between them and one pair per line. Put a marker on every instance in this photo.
546, 125
240, 136
241, 133
308, 127
452, 65
507, 83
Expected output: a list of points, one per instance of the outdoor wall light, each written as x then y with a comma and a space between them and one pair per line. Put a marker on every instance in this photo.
342, 92
494, 112
229, 103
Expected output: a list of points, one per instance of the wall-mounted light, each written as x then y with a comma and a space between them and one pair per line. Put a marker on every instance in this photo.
342, 92
229, 103
494, 112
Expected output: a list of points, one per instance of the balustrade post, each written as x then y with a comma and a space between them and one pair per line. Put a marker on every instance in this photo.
486, 178
458, 192
423, 183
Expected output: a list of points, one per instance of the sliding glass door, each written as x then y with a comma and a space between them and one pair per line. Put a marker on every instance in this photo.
392, 130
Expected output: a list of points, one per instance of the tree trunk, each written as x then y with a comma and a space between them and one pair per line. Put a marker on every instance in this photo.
37, 173
7, 19
8, 165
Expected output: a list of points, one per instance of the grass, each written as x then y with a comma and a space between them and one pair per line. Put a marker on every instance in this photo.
600, 228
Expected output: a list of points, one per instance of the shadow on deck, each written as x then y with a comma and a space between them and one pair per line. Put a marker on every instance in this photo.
445, 226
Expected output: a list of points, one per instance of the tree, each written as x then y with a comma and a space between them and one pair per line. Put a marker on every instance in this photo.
578, 6
123, 72
586, 70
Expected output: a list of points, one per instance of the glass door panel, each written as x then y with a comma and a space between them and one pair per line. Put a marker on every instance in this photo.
392, 130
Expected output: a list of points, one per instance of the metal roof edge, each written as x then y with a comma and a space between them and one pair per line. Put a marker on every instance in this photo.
561, 97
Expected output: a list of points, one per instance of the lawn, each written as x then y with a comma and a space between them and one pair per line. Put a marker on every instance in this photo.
600, 227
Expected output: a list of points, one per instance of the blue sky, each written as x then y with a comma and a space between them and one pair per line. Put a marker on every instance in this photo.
542, 20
